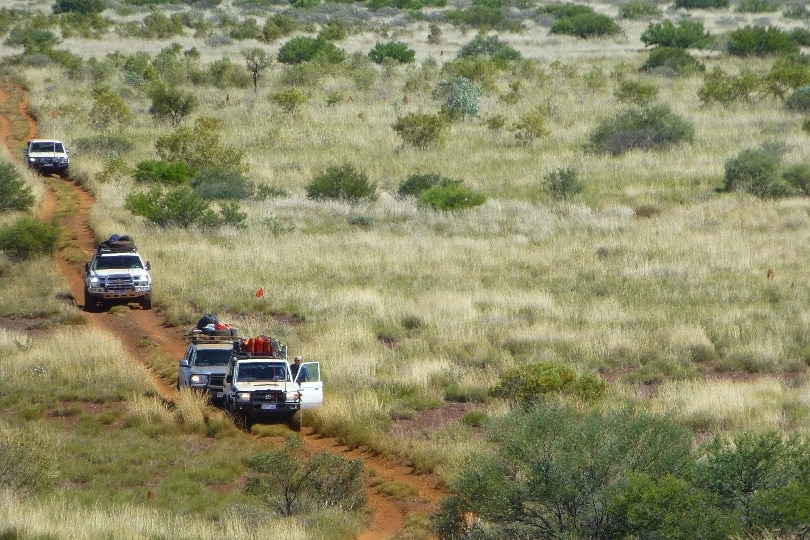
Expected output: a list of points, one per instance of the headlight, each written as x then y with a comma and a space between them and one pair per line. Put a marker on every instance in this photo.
243, 396
293, 396
93, 281
199, 379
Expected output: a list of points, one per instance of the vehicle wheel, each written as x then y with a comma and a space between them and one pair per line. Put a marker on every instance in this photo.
90, 303
146, 302
247, 422
294, 421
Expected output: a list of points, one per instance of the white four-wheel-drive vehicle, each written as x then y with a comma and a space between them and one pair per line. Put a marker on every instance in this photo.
203, 365
259, 386
117, 274
47, 156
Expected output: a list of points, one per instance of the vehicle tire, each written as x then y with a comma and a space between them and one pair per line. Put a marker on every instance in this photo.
146, 302
294, 421
247, 422
90, 303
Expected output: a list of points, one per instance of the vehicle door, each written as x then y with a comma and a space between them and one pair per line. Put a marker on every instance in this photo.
312, 388
185, 370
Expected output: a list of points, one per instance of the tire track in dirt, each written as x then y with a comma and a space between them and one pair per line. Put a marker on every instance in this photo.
143, 331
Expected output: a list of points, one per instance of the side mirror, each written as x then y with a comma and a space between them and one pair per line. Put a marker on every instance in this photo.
148, 266
87, 267
183, 363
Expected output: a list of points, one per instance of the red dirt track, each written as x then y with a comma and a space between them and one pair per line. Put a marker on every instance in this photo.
142, 331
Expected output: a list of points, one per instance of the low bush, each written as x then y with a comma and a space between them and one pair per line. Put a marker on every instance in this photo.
26, 466
341, 182
798, 176
14, 194
394, 50
687, 34
586, 25
490, 47
481, 16
797, 11
799, 100
85, 7
220, 183
451, 197
289, 100
28, 237
636, 92
720, 87
171, 104
461, 98
639, 9
650, 128
757, 6
334, 30
415, 184
169, 173
278, 26
756, 171
563, 183
530, 127
421, 130
701, 4
304, 49
673, 60
787, 74
761, 41
529, 383
179, 207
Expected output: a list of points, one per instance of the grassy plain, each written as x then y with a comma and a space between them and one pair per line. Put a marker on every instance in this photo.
671, 304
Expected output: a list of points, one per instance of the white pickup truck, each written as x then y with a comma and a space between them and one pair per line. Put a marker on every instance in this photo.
47, 156
117, 274
259, 387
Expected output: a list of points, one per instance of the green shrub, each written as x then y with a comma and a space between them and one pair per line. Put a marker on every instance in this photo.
28, 237
104, 145
760, 41
451, 197
489, 47
179, 207
291, 483
289, 100
720, 87
200, 147
788, 73
480, 70
169, 173
756, 171
394, 50
639, 9
14, 194
479, 16
529, 383
687, 34
801, 36
461, 98
85, 7
26, 463
219, 183
701, 4
341, 182
334, 30
645, 129
672, 59
421, 130
563, 183
109, 109
278, 26
586, 25
797, 11
32, 39
304, 49
171, 104
798, 176
636, 92
530, 126
415, 184
560, 10
799, 100
757, 6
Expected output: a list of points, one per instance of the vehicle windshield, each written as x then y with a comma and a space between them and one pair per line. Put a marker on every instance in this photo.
262, 372
47, 146
117, 261
212, 357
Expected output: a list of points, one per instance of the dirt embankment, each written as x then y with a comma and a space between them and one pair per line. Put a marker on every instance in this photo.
142, 331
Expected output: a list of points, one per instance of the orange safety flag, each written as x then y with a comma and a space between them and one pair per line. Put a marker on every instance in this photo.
53, 114
260, 292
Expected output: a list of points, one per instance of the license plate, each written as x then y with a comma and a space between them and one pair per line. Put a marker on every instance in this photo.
220, 394
268, 406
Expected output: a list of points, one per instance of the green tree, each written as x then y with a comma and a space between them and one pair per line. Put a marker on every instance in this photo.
171, 104
200, 147
14, 194
109, 109
291, 483
179, 207
341, 182
554, 472
257, 60
28, 237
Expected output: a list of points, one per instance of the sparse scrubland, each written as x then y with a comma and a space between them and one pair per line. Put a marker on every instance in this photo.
618, 230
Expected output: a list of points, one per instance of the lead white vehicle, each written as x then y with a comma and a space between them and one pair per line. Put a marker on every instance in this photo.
260, 388
47, 156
